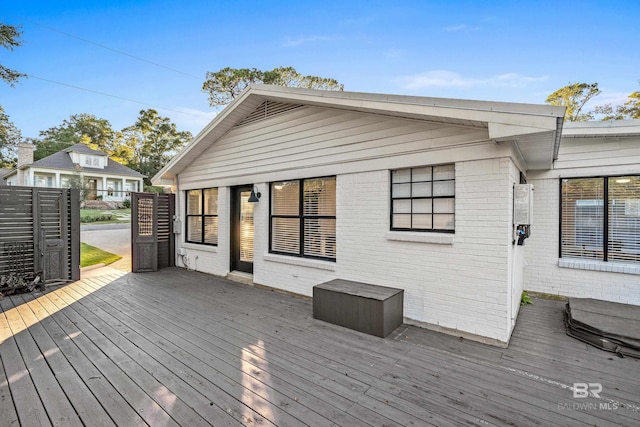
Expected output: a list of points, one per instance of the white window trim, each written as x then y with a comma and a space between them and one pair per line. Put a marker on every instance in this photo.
200, 247
421, 237
597, 265
302, 262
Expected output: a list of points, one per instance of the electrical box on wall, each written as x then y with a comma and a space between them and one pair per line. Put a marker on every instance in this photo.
522, 204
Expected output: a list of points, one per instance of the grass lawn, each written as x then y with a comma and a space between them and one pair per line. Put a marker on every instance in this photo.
90, 255
102, 216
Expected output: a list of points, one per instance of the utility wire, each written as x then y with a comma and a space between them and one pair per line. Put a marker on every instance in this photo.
108, 94
55, 30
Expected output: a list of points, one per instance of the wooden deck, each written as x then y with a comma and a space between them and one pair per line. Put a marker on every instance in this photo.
184, 348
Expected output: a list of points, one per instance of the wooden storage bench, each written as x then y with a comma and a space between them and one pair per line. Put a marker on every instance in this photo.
372, 309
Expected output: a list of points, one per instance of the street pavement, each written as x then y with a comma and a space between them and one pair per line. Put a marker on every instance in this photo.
114, 238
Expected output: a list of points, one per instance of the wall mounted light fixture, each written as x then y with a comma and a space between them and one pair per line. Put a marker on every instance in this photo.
254, 197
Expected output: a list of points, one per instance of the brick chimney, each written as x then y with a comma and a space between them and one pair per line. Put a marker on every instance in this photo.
25, 157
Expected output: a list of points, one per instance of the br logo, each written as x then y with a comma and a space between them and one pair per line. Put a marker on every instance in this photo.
582, 390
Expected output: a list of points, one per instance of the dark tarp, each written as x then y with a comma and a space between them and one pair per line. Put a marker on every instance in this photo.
610, 326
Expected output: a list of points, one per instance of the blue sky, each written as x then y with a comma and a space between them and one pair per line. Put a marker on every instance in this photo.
512, 51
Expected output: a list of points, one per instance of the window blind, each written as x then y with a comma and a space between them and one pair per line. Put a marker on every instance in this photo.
624, 219
601, 218
583, 218
303, 217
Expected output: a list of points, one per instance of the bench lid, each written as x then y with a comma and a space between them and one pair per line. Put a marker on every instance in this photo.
360, 289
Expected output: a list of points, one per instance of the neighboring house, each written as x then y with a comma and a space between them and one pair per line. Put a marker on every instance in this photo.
586, 233
408, 192
105, 178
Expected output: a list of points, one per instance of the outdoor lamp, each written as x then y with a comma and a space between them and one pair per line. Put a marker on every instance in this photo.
255, 196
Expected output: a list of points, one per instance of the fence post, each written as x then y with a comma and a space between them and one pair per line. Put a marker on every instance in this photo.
74, 207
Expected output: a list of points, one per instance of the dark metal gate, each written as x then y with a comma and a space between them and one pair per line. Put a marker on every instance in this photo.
40, 232
152, 238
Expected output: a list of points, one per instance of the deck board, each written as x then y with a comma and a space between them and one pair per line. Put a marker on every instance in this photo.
184, 348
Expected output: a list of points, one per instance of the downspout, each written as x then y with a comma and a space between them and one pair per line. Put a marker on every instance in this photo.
558, 137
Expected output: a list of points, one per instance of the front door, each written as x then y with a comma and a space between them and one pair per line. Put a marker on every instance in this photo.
241, 229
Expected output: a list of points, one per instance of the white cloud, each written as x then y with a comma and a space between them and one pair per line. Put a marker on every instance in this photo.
460, 27
297, 41
450, 79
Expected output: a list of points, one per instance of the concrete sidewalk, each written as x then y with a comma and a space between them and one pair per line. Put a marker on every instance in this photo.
114, 238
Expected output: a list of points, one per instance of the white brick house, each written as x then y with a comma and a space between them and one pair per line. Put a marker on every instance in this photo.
578, 247
408, 192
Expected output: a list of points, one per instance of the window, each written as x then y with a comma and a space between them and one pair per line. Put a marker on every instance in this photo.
423, 199
600, 218
202, 216
303, 218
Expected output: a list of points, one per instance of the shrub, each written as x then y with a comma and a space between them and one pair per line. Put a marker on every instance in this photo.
126, 203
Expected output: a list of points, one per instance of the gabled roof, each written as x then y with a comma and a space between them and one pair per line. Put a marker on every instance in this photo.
84, 149
535, 129
62, 160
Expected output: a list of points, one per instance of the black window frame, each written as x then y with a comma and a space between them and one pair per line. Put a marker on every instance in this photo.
605, 221
301, 216
201, 215
432, 197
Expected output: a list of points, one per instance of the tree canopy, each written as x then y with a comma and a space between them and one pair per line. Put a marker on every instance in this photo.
151, 142
10, 136
79, 128
629, 110
574, 96
10, 39
225, 85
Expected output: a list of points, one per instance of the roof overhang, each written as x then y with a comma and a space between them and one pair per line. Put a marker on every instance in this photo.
612, 128
534, 129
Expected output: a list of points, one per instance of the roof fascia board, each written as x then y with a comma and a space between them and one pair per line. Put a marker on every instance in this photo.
543, 119
621, 129
515, 118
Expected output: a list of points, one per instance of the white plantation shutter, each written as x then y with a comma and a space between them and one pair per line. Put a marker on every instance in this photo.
194, 206
320, 237
624, 219
320, 232
285, 235
285, 231
587, 232
583, 218
314, 221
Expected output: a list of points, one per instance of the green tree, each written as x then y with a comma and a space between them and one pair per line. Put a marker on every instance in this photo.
629, 110
10, 136
83, 128
574, 96
225, 85
153, 139
78, 182
10, 39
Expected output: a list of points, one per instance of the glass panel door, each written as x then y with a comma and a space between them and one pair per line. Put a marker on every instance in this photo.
241, 229
246, 227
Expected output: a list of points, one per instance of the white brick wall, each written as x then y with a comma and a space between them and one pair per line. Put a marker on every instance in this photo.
208, 259
464, 285
542, 273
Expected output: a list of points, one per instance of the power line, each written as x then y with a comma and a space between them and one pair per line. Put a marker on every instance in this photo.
109, 95
55, 30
